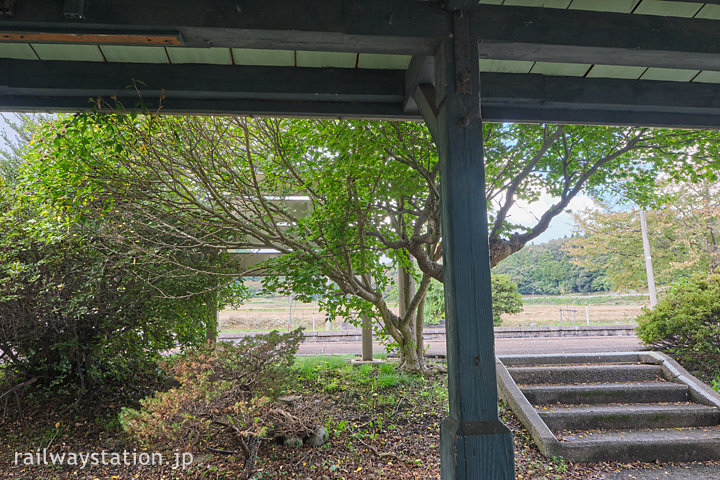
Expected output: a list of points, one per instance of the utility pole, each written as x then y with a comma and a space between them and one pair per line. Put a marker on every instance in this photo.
648, 259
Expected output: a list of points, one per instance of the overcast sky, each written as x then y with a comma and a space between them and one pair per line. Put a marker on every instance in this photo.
561, 226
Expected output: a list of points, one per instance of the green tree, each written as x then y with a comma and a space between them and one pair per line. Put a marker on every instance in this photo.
612, 242
16, 132
685, 324
505, 296
232, 181
684, 236
373, 190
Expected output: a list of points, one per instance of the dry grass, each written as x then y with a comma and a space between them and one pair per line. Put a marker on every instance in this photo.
550, 315
262, 314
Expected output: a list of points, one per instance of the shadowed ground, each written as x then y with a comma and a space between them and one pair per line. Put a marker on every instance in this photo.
690, 472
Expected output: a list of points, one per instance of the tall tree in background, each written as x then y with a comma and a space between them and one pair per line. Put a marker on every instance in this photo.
232, 181
16, 132
684, 236
373, 189
612, 241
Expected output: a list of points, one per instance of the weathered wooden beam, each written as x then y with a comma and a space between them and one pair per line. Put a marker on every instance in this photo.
373, 26
210, 106
73, 86
27, 78
398, 27
495, 114
577, 93
576, 36
68, 86
599, 101
426, 102
474, 443
421, 71
128, 80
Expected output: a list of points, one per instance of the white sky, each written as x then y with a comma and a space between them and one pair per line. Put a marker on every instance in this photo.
527, 214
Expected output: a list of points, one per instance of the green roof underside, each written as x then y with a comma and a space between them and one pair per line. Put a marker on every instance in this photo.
618, 61
312, 59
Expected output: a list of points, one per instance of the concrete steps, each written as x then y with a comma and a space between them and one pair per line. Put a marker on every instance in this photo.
629, 416
573, 374
620, 407
599, 393
645, 445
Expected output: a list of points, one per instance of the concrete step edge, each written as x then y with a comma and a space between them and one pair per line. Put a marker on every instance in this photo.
633, 416
632, 407
574, 374
617, 448
573, 358
605, 386
598, 394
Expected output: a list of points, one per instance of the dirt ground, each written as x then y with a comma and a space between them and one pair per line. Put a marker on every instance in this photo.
381, 424
261, 314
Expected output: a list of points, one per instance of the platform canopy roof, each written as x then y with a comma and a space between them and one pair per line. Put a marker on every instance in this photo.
649, 62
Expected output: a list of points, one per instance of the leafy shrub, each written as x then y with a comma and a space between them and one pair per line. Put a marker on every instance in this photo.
81, 312
225, 397
506, 299
686, 324
505, 296
79, 319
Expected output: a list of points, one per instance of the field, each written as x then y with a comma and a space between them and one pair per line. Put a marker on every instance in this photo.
263, 314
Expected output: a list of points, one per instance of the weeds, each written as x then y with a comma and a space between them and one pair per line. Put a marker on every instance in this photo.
309, 366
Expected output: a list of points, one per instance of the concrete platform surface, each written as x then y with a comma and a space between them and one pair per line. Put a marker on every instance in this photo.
505, 346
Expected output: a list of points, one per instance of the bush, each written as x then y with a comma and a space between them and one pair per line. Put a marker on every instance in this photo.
79, 320
88, 300
506, 299
686, 324
225, 397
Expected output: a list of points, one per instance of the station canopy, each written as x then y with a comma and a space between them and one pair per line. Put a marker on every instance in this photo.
621, 62
639, 62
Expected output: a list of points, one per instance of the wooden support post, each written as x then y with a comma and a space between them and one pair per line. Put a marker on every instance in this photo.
474, 443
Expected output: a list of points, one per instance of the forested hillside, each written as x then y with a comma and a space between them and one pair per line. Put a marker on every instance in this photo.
547, 269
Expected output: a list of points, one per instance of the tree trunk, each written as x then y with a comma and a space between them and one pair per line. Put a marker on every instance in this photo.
419, 326
367, 346
211, 325
412, 359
